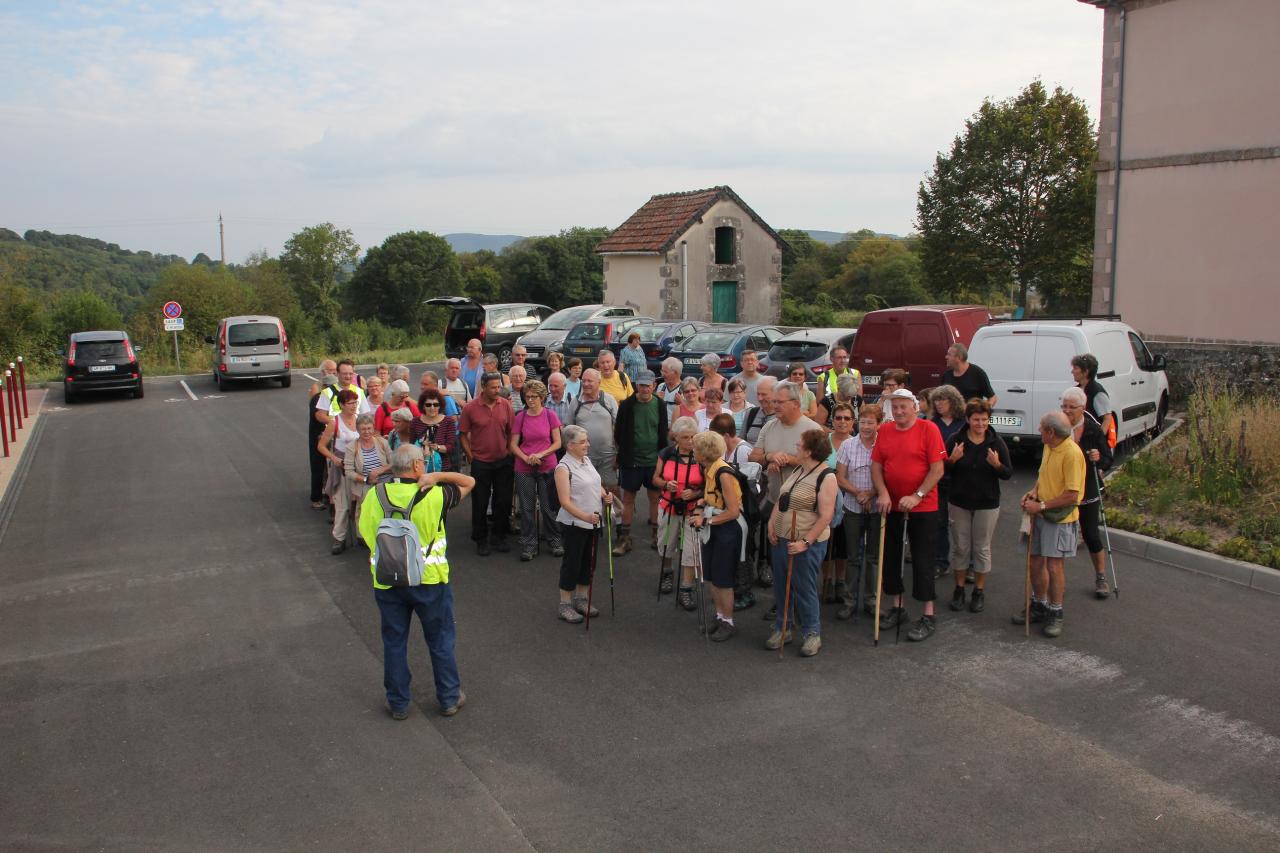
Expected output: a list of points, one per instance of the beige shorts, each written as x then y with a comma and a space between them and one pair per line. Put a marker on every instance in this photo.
669, 538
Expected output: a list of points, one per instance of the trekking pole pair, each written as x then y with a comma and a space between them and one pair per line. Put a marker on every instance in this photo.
607, 518
1106, 531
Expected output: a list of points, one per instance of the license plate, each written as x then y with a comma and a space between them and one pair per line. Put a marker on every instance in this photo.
1006, 420
693, 361
582, 350
243, 359
102, 368
871, 380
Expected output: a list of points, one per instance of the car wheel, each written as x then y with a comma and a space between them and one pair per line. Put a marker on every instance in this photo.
137, 392
222, 382
67, 393
1161, 413
504, 358
286, 380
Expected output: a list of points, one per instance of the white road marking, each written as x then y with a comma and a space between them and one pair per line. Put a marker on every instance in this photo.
175, 400
212, 396
312, 378
187, 388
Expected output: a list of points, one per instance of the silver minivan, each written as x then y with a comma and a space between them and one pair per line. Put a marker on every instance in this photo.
253, 346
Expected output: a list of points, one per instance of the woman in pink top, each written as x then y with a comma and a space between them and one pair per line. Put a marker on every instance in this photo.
535, 438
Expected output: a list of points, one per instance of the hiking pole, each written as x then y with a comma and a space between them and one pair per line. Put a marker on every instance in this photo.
537, 513
591, 576
701, 582
902, 570
1026, 612
1106, 531
608, 519
663, 547
677, 565
880, 577
786, 599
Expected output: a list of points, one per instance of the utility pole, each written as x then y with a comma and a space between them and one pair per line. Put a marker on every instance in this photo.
222, 242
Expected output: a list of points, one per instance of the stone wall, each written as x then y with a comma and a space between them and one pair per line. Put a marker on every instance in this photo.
1252, 367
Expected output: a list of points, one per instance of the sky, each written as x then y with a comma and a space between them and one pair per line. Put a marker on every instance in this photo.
138, 122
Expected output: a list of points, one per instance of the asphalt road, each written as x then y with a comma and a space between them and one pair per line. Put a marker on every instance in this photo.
183, 666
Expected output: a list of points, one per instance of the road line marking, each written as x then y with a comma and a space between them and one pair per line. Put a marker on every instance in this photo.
187, 388
312, 378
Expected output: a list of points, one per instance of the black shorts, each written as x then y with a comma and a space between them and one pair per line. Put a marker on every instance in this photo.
720, 554
634, 479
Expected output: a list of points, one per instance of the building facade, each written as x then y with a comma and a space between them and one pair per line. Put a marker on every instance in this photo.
1189, 169
701, 255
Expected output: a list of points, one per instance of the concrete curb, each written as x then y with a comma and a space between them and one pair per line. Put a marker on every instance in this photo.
1257, 577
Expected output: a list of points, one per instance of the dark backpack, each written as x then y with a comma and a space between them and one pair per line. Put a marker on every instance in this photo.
750, 495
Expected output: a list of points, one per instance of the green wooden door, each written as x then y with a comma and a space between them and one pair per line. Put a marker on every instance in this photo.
724, 302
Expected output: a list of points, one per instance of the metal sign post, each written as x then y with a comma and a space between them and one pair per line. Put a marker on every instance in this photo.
173, 322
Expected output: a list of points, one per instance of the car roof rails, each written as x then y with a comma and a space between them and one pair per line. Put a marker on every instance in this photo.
1074, 318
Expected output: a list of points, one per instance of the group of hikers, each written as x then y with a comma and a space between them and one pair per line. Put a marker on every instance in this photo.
751, 482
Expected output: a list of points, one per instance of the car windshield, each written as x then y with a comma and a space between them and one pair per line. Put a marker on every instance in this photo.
717, 342
588, 331
648, 334
797, 351
253, 335
566, 319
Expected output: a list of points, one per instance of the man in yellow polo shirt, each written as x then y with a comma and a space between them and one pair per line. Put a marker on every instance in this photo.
1055, 528
613, 381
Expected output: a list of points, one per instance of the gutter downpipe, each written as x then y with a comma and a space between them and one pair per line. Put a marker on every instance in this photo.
1115, 230
684, 279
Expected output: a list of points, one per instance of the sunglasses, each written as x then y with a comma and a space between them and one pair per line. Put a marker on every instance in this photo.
842, 418
430, 405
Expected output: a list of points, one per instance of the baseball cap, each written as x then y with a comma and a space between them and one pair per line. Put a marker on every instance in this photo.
903, 393
646, 377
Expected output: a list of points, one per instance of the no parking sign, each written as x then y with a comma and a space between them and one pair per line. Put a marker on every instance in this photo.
172, 310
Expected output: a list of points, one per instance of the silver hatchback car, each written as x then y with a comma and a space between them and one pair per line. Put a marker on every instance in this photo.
254, 346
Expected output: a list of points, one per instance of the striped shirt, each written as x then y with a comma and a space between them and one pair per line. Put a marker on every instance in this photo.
855, 458
370, 460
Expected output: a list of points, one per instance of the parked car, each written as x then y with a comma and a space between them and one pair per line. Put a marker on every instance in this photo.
915, 339
1029, 364
585, 340
811, 346
658, 338
100, 361
727, 340
549, 337
250, 347
497, 327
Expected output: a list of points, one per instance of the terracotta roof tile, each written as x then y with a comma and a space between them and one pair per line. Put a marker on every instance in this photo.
663, 218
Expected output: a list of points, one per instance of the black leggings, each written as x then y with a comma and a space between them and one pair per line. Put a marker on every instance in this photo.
575, 568
1091, 525
922, 530
318, 470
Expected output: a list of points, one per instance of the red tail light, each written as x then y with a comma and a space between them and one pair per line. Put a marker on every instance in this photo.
284, 340
71, 355
222, 341
128, 351
483, 331
728, 361
822, 368
654, 352
608, 332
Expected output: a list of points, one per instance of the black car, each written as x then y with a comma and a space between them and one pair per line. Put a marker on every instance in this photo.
100, 361
811, 347
657, 339
586, 340
497, 327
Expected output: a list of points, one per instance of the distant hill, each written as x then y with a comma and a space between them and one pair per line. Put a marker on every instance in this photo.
476, 242
833, 237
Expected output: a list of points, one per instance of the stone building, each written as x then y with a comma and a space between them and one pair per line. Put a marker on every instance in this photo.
1189, 173
701, 255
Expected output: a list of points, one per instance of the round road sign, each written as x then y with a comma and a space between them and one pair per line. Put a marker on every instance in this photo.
172, 310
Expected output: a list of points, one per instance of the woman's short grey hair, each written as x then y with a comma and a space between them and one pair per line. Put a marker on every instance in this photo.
1074, 395
399, 372
672, 363
684, 426
403, 458
690, 383
361, 420
572, 434
848, 386
952, 395
398, 386
710, 360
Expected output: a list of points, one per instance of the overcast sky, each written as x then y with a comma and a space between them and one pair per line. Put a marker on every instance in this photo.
138, 122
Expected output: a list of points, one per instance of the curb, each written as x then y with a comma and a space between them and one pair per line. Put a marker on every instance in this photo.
1251, 575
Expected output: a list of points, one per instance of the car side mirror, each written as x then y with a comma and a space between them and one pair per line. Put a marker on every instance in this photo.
62, 352
1158, 363
208, 339
137, 348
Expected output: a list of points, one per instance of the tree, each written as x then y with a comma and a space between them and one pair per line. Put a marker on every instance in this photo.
80, 311
557, 271
206, 293
483, 284
880, 272
313, 259
265, 278
394, 280
1012, 203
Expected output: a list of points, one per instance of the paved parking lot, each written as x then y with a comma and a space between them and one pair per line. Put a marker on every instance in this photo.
184, 666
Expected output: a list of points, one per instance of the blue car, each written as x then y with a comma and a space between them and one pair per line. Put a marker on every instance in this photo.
657, 338
727, 340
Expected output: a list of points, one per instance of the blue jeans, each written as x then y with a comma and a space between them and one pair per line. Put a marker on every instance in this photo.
434, 605
804, 585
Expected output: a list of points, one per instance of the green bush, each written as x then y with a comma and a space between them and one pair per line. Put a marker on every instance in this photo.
799, 314
1239, 548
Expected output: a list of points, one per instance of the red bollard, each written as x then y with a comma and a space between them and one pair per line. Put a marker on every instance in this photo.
8, 390
22, 384
4, 433
13, 393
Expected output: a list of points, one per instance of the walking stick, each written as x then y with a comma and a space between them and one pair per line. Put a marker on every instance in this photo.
700, 580
537, 512
786, 599
662, 556
608, 519
1106, 531
1026, 605
880, 577
902, 568
591, 577
677, 565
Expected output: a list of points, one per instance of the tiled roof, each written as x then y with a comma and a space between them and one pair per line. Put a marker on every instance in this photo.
663, 218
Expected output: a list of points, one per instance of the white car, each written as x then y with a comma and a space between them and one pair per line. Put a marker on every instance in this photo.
1029, 364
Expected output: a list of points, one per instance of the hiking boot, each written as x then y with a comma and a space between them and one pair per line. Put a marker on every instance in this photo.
453, 709
940, 570
957, 599
526, 556
721, 631
686, 598
338, 547
318, 505
653, 544
402, 714
869, 606
744, 601
1038, 614
1100, 588
766, 576
580, 605
557, 550
777, 640
482, 548
922, 630
1053, 624
810, 646
568, 614
772, 614
828, 591
842, 593
667, 583
893, 617
845, 612
500, 544
978, 602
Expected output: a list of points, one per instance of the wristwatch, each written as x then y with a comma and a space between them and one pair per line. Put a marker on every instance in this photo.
919, 494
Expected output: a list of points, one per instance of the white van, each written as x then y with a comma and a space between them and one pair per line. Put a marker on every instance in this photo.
1029, 363
250, 347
